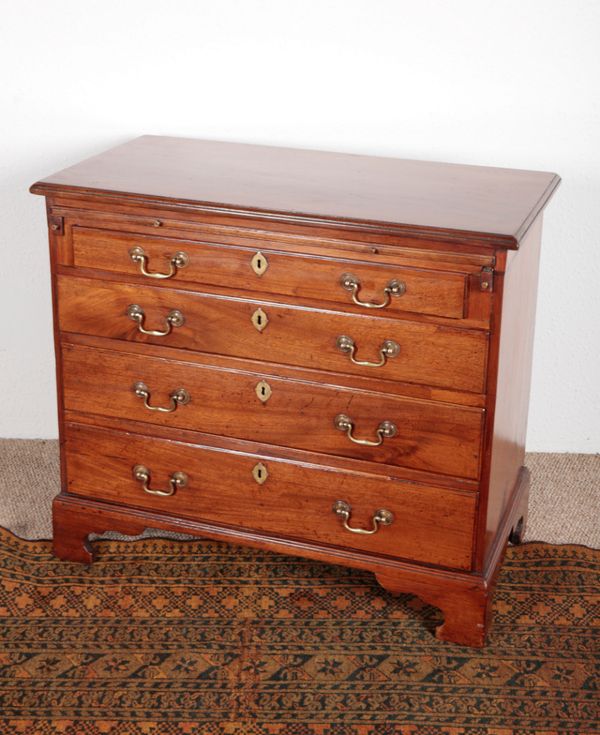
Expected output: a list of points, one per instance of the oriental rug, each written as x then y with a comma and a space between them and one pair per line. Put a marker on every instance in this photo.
162, 637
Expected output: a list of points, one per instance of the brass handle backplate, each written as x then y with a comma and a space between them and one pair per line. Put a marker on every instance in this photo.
388, 349
178, 397
352, 283
177, 480
385, 430
177, 261
174, 319
381, 516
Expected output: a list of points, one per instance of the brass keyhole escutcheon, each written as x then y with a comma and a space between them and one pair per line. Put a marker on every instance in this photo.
260, 473
263, 391
259, 263
260, 320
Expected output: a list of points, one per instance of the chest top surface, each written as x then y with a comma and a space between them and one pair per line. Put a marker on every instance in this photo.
285, 183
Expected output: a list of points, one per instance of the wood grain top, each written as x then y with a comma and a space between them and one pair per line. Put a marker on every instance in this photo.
287, 184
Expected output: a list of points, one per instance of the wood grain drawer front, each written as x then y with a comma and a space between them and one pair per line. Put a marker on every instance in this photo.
428, 354
430, 436
435, 293
430, 525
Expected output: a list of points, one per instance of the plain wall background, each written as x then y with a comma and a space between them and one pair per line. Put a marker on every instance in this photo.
513, 83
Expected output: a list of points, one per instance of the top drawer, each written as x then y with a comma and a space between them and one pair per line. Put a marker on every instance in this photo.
366, 287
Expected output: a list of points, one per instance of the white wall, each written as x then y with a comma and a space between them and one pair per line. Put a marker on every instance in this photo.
513, 83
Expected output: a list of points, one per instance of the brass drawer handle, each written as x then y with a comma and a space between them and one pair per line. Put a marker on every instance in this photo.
178, 397
352, 283
174, 319
385, 430
177, 480
381, 516
389, 348
179, 260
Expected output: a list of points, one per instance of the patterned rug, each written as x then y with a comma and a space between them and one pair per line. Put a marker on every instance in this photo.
160, 637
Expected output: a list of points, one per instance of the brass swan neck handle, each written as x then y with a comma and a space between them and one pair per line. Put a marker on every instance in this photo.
177, 261
351, 283
381, 517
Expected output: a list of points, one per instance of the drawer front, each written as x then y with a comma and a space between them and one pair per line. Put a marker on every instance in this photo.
427, 354
437, 293
294, 500
435, 437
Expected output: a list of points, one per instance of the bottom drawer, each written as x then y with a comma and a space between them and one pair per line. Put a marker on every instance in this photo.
277, 496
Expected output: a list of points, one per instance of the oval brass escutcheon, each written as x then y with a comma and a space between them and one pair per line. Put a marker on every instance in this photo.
260, 320
259, 263
260, 473
263, 391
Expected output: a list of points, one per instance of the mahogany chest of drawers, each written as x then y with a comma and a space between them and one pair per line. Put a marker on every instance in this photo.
321, 354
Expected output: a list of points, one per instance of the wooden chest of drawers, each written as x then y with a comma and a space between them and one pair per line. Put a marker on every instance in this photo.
321, 354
